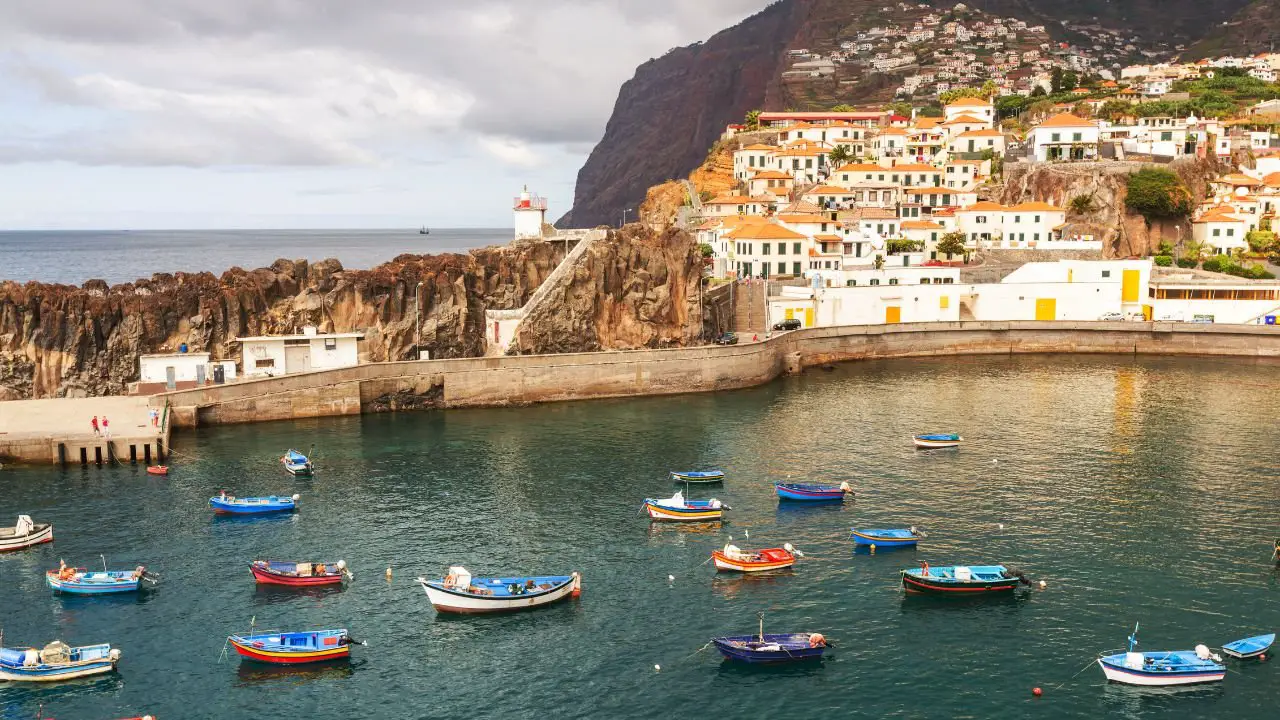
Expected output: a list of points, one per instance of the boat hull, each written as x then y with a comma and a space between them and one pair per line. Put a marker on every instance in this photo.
57, 673
298, 469
865, 540
803, 494
88, 586
267, 577
275, 657
934, 444
706, 478
794, 647
726, 564
1128, 676
158, 469
39, 534
454, 601
916, 584
1249, 647
223, 507
667, 514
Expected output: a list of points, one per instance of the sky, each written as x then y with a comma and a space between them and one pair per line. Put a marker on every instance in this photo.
160, 114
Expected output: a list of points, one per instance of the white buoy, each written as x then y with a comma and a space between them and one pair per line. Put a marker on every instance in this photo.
1001, 526
994, 461
296, 497
388, 573
746, 534
657, 668
1043, 584
671, 578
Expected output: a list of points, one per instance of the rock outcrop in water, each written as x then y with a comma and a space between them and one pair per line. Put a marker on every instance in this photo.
62, 340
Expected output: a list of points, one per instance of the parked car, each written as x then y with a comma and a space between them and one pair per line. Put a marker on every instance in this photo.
727, 339
1111, 316
788, 324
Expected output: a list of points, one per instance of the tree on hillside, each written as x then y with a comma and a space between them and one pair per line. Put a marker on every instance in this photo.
840, 155
1082, 109
844, 107
753, 120
901, 108
1114, 110
952, 244
1040, 108
951, 96
1157, 193
989, 89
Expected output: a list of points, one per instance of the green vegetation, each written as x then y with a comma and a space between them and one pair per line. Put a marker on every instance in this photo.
752, 121
1114, 110
952, 243
1163, 260
1156, 193
1187, 262
1081, 204
1231, 266
840, 155
1063, 81
1262, 241
844, 107
896, 247
706, 250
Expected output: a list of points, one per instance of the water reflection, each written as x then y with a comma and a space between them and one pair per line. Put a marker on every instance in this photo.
251, 673
274, 595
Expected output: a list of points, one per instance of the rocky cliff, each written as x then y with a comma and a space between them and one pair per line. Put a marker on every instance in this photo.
1123, 233
1254, 29
676, 106
637, 288
60, 340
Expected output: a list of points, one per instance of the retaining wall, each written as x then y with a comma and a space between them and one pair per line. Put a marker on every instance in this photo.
498, 381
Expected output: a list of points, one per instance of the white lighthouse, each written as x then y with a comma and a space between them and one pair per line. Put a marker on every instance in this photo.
531, 214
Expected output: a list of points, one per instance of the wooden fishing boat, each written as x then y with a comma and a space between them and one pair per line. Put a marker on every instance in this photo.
1249, 647
962, 580
812, 492
24, 534
296, 463
459, 592
734, 559
698, 476
887, 538
937, 440
773, 647
79, 581
57, 661
299, 574
158, 469
225, 504
1162, 668
294, 648
677, 509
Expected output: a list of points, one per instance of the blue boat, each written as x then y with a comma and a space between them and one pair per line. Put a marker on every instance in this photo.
772, 648
1163, 667
698, 476
961, 580
79, 581
1249, 647
890, 538
937, 440
296, 463
812, 492
225, 504
55, 662
294, 648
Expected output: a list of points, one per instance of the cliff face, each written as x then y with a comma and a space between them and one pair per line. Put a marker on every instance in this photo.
637, 288
60, 340
675, 107
1123, 233
1254, 29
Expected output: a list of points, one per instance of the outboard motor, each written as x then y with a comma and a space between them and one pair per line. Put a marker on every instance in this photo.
1016, 573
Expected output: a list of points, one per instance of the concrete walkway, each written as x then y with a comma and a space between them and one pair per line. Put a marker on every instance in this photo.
34, 430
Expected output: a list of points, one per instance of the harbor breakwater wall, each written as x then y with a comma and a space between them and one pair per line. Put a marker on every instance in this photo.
518, 380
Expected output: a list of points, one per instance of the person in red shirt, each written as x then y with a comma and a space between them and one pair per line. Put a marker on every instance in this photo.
94, 424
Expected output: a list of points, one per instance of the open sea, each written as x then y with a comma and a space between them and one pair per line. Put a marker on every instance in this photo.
72, 257
1138, 489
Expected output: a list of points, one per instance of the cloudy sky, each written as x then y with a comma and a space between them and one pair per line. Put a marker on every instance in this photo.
313, 113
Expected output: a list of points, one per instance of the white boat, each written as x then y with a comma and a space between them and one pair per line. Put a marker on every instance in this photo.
1163, 667
25, 534
459, 592
937, 440
57, 661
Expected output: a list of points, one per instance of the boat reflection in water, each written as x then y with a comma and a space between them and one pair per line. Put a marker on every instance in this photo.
728, 586
258, 673
277, 594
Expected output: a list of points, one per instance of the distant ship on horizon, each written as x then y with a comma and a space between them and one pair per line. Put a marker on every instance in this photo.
424, 230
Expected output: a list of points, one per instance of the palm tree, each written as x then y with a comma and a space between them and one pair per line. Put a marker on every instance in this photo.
753, 120
839, 155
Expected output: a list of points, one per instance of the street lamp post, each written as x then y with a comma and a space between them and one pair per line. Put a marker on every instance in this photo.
624, 215
417, 321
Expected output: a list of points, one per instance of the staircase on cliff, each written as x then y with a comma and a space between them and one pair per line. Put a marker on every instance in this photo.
749, 307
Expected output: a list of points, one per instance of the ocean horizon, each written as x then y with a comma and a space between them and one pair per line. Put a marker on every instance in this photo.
72, 257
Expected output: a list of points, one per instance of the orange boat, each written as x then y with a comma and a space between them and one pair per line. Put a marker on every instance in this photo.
734, 559
158, 469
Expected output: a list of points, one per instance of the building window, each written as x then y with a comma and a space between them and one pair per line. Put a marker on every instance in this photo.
893, 281
925, 281
782, 248
297, 342
1076, 137
853, 283
765, 248
981, 219
1106, 273
795, 248
264, 362
947, 281
875, 281
1017, 218
1056, 137
1230, 232
331, 343
1216, 232
782, 268
795, 268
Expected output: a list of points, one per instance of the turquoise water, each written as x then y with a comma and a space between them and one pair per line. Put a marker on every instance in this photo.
1138, 490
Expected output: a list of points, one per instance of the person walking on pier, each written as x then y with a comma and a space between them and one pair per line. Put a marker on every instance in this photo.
106, 430
94, 423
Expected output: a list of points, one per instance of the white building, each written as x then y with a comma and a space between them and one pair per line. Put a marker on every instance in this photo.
283, 354
530, 215
1188, 297
1220, 230
973, 107
1065, 137
752, 158
184, 367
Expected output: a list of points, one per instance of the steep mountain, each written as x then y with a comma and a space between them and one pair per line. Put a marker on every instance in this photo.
1254, 29
675, 107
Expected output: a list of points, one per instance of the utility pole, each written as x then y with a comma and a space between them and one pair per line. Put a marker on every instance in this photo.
417, 321
624, 215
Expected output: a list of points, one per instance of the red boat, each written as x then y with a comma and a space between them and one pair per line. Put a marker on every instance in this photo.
299, 574
732, 558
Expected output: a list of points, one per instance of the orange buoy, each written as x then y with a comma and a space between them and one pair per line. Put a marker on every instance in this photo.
1037, 692
158, 469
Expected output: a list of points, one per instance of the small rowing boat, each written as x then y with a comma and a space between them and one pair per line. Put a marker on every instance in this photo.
459, 592
158, 469
962, 580
56, 661
1249, 647
24, 534
812, 492
1163, 667
296, 463
677, 509
79, 581
734, 559
299, 574
698, 476
937, 440
773, 647
888, 538
225, 504
294, 648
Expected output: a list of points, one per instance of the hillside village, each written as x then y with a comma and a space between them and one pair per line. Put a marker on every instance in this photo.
847, 198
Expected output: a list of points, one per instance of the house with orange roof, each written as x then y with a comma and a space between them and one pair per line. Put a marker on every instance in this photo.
770, 182
766, 249
962, 174
1221, 230
830, 196
973, 142
889, 143
804, 162
1065, 137
735, 205
972, 107
751, 158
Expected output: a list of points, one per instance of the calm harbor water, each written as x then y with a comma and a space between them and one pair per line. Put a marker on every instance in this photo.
1138, 489
72, 257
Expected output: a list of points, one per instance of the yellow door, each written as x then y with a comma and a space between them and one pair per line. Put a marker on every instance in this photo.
893, 314
808, 317
791, 312
1129, 286
1046, 308
1146, 313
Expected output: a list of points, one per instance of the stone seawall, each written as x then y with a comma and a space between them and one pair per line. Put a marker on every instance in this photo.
515, 380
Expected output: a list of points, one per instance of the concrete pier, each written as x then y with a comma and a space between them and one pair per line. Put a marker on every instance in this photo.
58, 431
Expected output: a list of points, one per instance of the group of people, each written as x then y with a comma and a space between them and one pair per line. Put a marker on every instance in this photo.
102, 427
